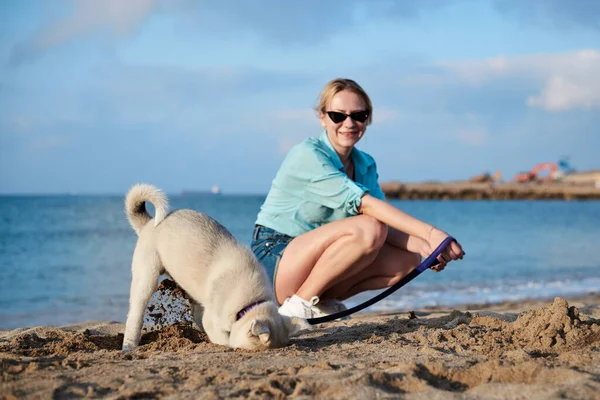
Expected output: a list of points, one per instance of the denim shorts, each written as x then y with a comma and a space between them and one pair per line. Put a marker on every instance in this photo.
268, 246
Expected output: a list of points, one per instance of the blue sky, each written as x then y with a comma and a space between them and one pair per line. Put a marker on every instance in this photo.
98, 95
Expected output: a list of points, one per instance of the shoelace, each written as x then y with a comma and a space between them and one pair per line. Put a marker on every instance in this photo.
314, 301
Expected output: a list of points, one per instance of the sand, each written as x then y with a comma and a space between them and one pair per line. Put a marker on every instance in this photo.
532, 350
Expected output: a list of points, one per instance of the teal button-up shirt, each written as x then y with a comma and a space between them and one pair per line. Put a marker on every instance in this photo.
311, 188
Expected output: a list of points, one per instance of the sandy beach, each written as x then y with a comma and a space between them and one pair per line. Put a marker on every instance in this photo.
525, 350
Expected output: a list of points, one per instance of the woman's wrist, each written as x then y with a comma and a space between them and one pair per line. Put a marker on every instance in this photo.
417, 245
427, 232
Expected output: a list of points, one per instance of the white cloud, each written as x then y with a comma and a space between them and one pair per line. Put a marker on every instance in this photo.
313, 20
567, 81
564, 92
118, 16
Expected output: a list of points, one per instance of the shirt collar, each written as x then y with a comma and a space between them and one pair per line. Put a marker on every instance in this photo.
361, 163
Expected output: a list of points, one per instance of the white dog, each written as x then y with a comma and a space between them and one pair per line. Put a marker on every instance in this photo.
232, 298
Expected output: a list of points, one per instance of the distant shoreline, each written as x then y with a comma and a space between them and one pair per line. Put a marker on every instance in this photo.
428, 190
489, 191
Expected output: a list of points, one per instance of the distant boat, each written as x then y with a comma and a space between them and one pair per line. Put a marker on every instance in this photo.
215, 190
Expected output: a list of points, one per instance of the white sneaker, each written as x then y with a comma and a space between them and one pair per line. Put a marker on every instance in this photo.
296, 307
332, 306
314, 308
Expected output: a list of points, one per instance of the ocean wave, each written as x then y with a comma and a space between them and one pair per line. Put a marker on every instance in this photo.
457, 294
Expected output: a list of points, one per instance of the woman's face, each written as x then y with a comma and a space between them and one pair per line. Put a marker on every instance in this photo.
344, 135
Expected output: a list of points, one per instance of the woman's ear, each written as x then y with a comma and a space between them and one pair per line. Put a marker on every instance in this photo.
322, 116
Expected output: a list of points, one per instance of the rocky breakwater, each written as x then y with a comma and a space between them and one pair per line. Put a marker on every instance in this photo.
489, 191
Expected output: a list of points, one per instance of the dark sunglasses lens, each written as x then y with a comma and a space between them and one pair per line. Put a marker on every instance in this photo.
360, 116
336, 117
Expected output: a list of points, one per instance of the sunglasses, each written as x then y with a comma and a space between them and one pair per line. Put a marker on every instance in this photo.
358, 116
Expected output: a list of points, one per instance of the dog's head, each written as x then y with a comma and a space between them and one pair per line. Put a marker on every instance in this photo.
263, 328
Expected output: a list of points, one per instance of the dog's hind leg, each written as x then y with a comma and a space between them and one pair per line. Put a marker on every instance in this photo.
197, 313
145, 271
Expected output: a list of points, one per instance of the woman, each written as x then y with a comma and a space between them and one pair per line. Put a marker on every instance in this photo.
325, 232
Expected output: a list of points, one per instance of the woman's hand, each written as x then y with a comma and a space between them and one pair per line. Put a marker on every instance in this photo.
452, 252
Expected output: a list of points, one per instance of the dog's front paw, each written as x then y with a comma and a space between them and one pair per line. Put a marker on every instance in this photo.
296, 325
128, 346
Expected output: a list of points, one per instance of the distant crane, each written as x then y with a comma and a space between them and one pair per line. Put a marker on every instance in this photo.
555, 170
565, 166
487, 177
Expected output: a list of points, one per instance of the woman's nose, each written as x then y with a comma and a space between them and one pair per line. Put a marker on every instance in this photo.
349, 122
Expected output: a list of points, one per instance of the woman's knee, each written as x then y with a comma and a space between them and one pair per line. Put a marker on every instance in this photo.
371, 233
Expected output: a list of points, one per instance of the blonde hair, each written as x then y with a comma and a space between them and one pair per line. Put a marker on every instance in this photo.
337, 85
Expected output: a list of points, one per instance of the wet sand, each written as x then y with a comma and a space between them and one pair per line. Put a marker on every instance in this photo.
526, 350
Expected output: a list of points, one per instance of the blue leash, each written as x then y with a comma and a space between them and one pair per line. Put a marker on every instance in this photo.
426, 264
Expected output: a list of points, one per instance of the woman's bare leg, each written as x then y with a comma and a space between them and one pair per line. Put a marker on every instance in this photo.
320, 259
390, 265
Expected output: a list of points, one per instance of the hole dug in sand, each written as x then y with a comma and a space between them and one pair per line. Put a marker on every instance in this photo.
171, 330
169, 325
176, 337
169, 305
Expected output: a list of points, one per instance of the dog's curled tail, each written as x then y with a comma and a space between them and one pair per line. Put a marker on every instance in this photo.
135, 205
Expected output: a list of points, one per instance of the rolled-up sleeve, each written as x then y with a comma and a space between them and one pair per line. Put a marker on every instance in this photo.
376, 188
335, 190
326, 184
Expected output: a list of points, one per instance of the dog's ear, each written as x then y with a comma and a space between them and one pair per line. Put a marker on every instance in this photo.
295, 325
261, 330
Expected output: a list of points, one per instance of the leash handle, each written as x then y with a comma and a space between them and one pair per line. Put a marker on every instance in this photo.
426, 264
432, 260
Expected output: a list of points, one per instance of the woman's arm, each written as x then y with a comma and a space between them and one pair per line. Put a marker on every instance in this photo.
405, 241
430, 236
395, 218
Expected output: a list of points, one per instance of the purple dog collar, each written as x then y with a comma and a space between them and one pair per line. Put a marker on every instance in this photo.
244, 310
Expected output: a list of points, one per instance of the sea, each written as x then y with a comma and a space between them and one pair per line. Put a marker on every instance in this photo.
66, 259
